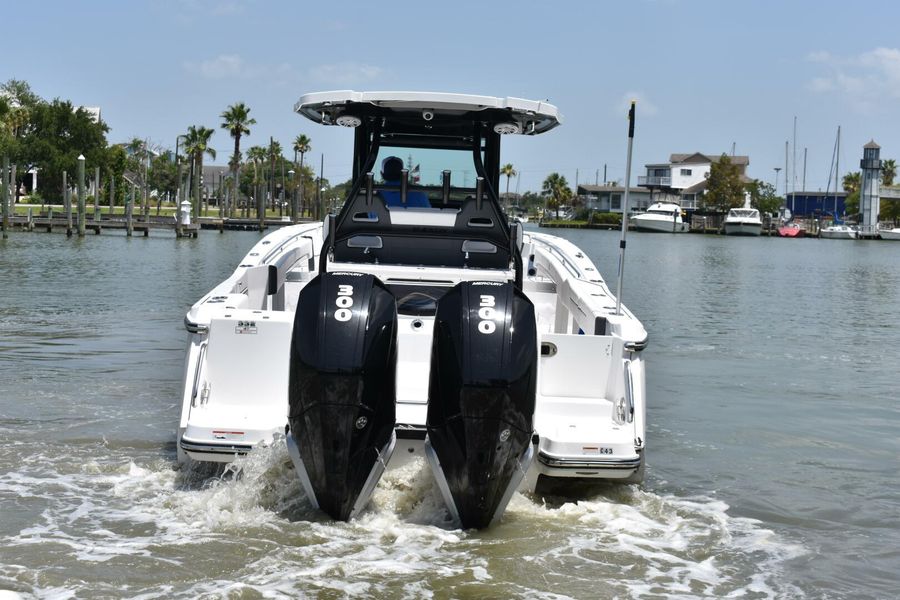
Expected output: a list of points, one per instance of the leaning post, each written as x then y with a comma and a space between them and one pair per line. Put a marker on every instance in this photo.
129, 208
81, 215
4, 196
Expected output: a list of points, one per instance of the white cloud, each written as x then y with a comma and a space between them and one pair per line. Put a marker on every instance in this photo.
220, 67
233, 66
644, 106
345, 73
864, 79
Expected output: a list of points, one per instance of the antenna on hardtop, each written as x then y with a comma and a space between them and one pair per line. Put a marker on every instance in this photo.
625, 210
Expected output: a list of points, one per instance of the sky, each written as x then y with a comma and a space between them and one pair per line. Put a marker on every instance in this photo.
707, 75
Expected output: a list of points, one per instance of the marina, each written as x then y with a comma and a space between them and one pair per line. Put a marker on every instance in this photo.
744, 494
265, 335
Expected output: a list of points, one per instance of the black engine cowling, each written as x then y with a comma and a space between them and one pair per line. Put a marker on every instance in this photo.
481, 397
341, 389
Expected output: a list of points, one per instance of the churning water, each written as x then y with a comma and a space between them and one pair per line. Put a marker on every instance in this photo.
772, 444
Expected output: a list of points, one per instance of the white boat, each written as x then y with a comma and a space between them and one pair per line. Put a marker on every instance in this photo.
890, 234
389, 331
743, 221
838, 232
662, 217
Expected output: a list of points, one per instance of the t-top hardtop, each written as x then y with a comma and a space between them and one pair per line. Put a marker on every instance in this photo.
426, 170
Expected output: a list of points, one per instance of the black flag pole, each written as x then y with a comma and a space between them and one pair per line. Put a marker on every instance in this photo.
625, 210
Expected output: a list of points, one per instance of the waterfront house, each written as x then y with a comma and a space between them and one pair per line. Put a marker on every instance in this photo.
609, 198
683, 178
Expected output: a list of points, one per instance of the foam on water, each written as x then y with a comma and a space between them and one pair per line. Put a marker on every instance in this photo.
250, 529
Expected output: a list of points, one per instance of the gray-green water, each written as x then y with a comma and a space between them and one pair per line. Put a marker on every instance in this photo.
774, 460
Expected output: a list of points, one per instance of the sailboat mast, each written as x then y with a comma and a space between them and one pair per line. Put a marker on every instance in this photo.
837, 168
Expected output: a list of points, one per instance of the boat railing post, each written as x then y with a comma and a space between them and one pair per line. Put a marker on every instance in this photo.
625, 210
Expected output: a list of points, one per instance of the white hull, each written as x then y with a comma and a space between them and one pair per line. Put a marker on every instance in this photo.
889, 234
591, 395
839, 232
658, 224
743, 228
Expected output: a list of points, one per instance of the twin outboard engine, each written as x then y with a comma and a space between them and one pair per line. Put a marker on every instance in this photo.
481, 398
341, 389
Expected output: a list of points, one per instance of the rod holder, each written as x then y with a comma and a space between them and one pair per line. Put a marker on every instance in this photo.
370, 186
445, 187
404, 185
479, 192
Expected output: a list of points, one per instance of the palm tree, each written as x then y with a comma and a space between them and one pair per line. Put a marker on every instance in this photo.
196, 144
557, 188
508, 170
236, 119
888, 171
257, 155
274, 153
851, 182
301, 146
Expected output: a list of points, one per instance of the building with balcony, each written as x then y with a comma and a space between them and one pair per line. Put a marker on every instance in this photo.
683, 178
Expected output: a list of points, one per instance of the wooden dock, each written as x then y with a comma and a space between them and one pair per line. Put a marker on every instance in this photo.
51, 223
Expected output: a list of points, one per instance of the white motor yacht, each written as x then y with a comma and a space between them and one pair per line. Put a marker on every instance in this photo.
743, 221
664, 217
838, 232
890, 234
418, 322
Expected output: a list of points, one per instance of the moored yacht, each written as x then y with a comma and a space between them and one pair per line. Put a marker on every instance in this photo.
419, 322
889, 234
663, 217
838, 231
743, 221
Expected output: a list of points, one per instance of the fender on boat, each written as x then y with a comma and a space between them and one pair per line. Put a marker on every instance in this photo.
341, 389
481, 398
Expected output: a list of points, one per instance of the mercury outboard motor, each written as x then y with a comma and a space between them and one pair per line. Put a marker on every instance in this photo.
481, 398
341, 389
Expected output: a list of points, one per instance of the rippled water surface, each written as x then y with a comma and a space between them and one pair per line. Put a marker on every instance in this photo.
773, 442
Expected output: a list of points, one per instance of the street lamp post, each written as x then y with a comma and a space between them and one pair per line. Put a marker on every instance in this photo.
293, 195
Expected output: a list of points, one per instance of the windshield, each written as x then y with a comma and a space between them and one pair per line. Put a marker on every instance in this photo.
425, 168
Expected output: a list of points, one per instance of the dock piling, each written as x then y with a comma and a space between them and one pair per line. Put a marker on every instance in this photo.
4, 196
81, 208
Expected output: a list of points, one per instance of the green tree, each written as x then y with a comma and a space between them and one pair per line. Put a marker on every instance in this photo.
302, 145
55, 135
888, 171
851, 182
237, 120
257, 156
509, 172
116, 163
763, 197
724, 189
163, 175
196, 145
274, 156
557, 190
